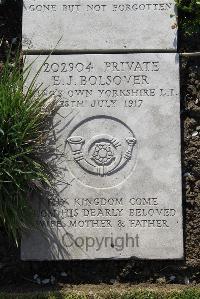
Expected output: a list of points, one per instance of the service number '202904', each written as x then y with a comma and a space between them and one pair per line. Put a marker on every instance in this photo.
67, 67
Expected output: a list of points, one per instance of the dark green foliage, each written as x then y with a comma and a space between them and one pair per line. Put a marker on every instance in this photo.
23, 122
189, 16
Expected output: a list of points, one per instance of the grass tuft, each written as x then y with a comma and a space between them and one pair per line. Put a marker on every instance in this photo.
24, 125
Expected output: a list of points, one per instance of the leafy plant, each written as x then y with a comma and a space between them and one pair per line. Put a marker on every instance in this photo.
189, 11
24, 125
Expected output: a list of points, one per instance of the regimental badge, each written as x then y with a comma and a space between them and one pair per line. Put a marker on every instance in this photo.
102, 155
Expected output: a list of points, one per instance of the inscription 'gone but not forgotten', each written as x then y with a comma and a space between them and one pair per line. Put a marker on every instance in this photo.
118, 158
99, 25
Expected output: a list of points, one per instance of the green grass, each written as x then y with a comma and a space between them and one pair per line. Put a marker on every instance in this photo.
24, 124
190, 293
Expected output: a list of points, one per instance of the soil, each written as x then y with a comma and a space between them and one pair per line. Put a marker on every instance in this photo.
15, 274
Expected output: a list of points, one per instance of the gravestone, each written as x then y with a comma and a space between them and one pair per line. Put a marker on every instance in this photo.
116, 135
117, 140
99, 25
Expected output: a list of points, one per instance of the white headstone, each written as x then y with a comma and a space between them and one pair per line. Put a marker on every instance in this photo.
117, 135
99, 25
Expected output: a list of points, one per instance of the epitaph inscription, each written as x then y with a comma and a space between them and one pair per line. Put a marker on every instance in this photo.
117, 151
99, 25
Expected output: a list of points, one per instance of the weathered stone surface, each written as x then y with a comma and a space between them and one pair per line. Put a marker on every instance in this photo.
117, 135
99, 25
